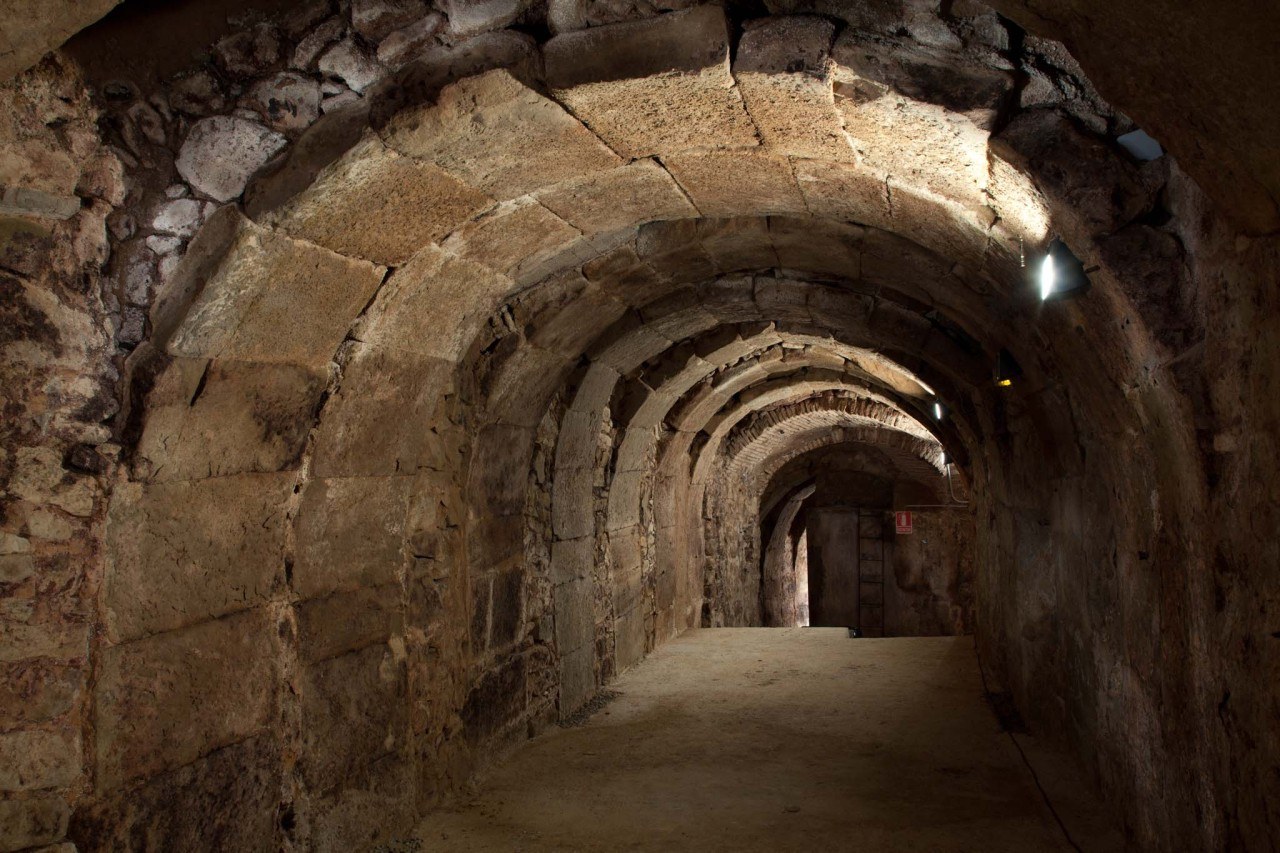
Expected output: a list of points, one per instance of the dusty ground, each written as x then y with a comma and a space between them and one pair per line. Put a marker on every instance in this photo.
782, 739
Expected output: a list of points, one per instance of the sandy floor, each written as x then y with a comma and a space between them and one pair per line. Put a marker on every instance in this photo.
769, 739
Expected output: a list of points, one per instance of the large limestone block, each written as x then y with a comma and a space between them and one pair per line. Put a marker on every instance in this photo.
631, 635
573, 502
575, 615
784, 73
434, 306
630, 195
166, 700
525, 382
844, 192
266, 298
569, 325
512, 237
387, 417
213, 420
354, 714
738, 244
818, 246
181, 553
499, 469
348, 621
622, 271
377, 204
656, 86
737, 183
227, 800
33, 821
500, 136
350, 534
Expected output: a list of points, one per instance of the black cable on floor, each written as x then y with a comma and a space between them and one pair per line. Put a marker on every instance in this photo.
1044, 795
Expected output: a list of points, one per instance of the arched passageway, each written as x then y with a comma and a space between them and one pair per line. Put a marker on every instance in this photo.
387, 380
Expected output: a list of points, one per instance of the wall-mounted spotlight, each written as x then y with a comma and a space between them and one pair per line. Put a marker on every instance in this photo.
1060, 273
939, 411
1007, 369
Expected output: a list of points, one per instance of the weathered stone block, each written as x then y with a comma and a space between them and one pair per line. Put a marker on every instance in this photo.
263, 285
572, 559
401, 204
35, 820
185, 552
228, 800
820, 246
656, 86
630, 638
738, 183
496, 702
511, 237
354, 715
348, 621
783, 74
350, 534
843, 192
573, 501
575, 615
630, 195
379, 422
434, 306
500, 468
577, 679
213, 420
506, 621
166, 700
37, 758
500, 136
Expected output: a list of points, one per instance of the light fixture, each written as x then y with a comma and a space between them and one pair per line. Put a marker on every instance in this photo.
938, 410
1007, 369
1061, 273
943, 460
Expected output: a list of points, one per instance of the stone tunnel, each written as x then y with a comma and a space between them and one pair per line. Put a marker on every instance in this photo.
391, 387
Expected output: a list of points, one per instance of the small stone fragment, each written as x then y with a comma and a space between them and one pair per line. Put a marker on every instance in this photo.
398, 47
288, 101
375, 19
304, 55
352, 64
471, 17
250, 52
180, 216
198, 94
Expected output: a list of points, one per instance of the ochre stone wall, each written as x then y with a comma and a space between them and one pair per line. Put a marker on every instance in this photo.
387, 380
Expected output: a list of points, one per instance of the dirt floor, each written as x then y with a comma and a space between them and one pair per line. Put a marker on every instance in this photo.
783, 739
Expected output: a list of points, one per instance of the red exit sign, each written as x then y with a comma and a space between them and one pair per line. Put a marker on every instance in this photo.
902, 521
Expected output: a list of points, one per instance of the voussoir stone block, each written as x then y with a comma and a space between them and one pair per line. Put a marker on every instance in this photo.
215, 419
166, 700
400, 203
434, 306
844, 192
512, 237
386, 416
500, 136
272, 299
737, 183
784, 73
350, 534
660, 85
181, 553
630, 195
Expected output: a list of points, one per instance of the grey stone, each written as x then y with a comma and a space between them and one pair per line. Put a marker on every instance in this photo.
376, 19
352, 64
180, 216
304, 55
222, 153
398, 47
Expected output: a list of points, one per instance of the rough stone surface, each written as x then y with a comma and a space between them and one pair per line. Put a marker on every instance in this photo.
500, 136
655, 86
404, 202
222, 153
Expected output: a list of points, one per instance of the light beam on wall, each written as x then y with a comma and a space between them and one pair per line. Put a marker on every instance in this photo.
1060, 273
